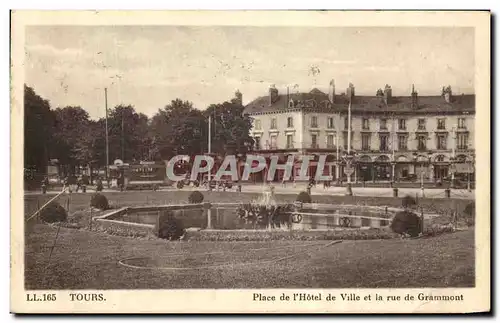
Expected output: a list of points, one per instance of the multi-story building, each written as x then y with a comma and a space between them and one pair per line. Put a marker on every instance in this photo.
406, 137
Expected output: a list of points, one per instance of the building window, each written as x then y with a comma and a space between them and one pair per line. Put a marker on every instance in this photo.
314, 122
421, 124
330, 141
461, 123
441, 142
289, 122
402, 142
346, 123
274, 123
258, 125
462, 140
274, 140
422, 143
402, 124
441, 124
314, 141
383, 124
365, 141
289, 141
366, 124
330, 123
257, 143
384, 143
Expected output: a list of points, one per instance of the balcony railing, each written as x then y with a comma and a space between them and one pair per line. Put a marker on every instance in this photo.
289, 146
315, 146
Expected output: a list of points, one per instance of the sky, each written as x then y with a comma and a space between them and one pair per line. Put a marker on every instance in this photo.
149, 66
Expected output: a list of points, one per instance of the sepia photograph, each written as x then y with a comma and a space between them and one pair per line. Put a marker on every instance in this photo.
299, 163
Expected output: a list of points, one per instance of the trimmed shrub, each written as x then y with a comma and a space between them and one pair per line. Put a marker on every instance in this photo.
53, 212
180, 185
168, 226
406, 222
408, 201
470, 213
196, 197
303, 197
99, 201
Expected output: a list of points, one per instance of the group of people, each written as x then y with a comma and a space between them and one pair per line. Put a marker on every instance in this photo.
81, 182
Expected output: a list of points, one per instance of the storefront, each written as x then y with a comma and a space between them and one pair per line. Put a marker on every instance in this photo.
402, 169
441, 168
365, 169
383, 168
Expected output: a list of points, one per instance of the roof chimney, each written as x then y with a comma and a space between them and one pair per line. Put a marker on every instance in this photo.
414, 97
387, 94
331, 91
350, 92
447, 94
273, 94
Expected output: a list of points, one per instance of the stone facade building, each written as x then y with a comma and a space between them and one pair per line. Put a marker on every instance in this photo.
400, 138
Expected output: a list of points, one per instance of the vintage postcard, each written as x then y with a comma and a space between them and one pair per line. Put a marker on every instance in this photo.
250, 162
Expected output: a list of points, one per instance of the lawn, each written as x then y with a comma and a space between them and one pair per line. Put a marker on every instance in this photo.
90, 260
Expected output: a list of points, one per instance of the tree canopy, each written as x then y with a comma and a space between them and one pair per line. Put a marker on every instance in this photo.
70, 136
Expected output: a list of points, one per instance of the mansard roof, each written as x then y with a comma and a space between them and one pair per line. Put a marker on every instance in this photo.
319, 102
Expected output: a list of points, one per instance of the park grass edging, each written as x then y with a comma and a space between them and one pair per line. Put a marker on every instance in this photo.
263, 235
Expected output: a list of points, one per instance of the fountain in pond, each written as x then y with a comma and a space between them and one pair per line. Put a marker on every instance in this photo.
266, 213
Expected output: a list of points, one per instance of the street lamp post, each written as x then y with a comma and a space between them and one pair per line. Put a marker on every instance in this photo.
349, 159
453, 136
452, 171
393, 164
393, 155
469, 162
209, 149
415, 160
107, 139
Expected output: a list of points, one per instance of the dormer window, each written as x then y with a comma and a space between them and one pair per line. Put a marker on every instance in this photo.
291, 104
